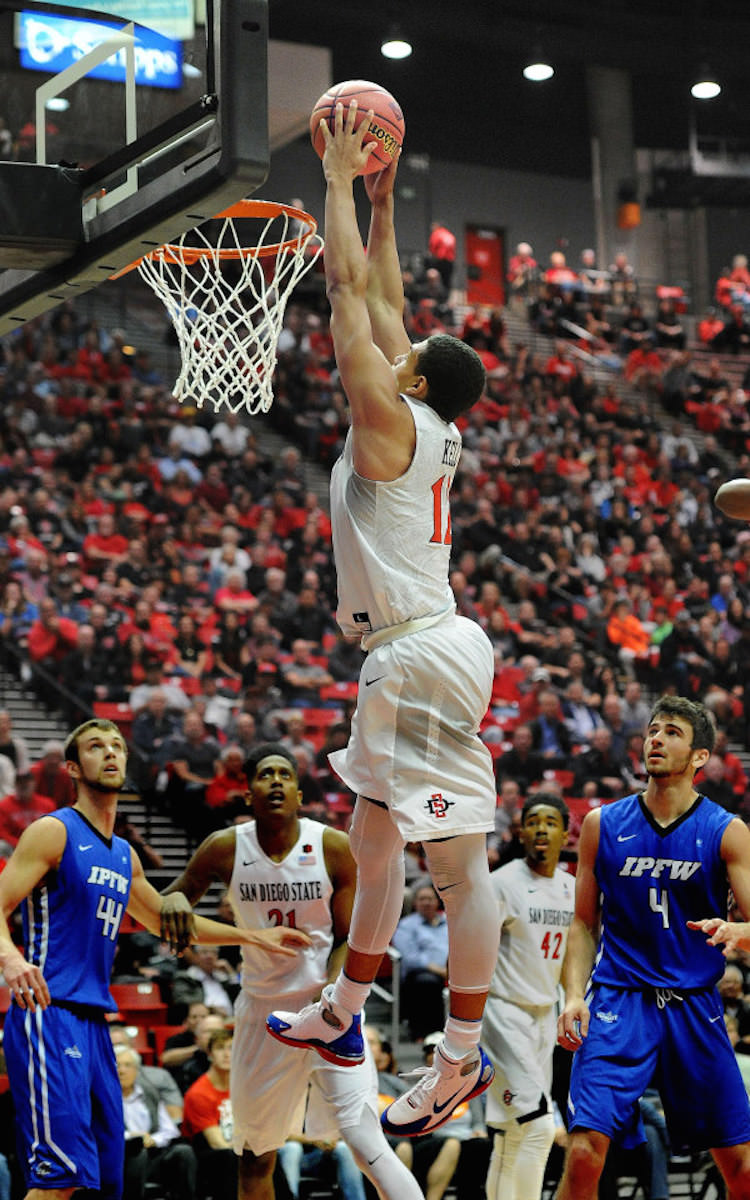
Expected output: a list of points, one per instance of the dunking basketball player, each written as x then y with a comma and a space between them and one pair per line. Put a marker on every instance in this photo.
414, 758
283, 869
78, 879
651, 868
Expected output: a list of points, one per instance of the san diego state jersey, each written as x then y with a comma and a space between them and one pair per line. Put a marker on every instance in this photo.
653, 880
392, 539
535, 915
72, 918
295, 892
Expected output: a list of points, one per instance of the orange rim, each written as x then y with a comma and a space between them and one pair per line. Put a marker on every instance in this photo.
260, 210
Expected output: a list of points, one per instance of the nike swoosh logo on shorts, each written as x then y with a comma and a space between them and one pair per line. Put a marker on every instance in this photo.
628, 838
370, 682
713, 1020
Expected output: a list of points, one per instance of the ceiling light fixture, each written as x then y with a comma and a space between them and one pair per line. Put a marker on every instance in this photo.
395, 44
706, 86
537, 69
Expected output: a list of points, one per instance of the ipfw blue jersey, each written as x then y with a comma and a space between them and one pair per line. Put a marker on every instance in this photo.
71, 919
653, 880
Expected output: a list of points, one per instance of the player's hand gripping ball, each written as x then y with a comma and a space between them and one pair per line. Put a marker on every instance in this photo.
386, 127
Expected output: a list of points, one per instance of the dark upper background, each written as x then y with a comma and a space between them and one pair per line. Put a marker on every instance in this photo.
465, 99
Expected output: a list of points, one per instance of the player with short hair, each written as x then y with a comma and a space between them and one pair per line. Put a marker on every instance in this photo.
649, 868
414, 758
284, 870
519, 1029
77, 879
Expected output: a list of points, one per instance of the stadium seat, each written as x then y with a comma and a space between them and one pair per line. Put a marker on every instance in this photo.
135, 1000
160, 1035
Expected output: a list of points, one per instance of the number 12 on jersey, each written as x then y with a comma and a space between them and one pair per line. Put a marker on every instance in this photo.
441, 513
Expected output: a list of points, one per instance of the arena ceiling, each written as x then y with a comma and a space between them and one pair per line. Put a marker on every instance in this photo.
465, 98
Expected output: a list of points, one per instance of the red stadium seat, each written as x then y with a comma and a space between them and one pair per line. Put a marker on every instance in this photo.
160, 1035
121, 714
339, 691
137, 1002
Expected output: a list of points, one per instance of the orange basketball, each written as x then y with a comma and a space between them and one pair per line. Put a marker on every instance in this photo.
386, 127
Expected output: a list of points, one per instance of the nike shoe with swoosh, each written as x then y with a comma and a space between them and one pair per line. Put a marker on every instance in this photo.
317, 1027
439, 1091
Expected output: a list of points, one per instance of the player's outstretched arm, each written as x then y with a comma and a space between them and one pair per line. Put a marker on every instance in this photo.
735, 850
573, 1024
39, 850
385, 286
145, 904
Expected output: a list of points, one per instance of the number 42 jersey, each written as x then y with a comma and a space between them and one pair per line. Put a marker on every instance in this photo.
535, 915
72, 917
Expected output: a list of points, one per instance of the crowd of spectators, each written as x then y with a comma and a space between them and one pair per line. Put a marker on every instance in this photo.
158, 561
162, 568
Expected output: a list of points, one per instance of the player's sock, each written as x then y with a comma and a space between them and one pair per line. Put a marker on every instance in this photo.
347, 996
461, 1037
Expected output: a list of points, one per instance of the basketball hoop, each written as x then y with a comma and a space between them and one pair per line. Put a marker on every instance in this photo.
226, 299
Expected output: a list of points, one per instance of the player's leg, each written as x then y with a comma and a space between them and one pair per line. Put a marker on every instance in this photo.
698, 1060
460, 1067
520, 1045
267, 1087
255, 1175
375, 1159
461, 877
584, 1162
332, 1027
346, 1099
734, 1164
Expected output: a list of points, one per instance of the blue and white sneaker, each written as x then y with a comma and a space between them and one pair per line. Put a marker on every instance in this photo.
439, 1091
316, 1027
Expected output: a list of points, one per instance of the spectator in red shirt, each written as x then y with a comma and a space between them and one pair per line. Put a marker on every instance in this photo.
51, 637
226, 791
106, 545
208, 1124
19, 808
441, 250
50, 777
234, 596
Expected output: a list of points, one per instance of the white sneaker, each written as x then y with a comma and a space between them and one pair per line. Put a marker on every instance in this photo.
316, 1027
440, 1089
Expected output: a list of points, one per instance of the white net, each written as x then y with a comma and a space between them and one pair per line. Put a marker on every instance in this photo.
226, 301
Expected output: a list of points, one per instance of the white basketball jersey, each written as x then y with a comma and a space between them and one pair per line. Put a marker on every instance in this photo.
295, 892
535, 915
392, 540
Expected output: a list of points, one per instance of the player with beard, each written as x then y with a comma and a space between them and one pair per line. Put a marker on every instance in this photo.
650, 868
77, 879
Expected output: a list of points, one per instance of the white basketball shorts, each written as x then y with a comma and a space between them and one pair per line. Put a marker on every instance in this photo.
520, 1044
415, 744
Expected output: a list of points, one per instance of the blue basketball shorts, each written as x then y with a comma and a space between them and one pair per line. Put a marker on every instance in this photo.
67, 1099
674, 1041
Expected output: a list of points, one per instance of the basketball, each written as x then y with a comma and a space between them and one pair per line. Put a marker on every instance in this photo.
386, 128
733, 499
